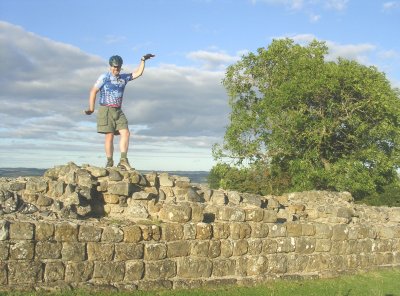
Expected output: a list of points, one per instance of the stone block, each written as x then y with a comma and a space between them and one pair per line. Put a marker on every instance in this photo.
240, 230
97, 171
84, 178
285, 244
4, 230
22, 250
4, 247
226, 248
109, 271
24, 272
147, 285
234, 197
3, 274
197, 212
278, 230
252, 200
73, 251
340, 232
231, 214
294, 229
221, 230
120, 188
142, 195
114, 175
44, 231
171, 231
255, 246
36, 184
194, 267
323, 231
100, 251
200, 248
214, 249
203, 231
111, 198
308, 229
128, 251
259, 230
16, 186
78, 272
48, 250
189, 231
323, 245
178, 249
254, 214
394, 214
163, 269
257, 265
132, 234
136, 209
270, 246
192, 195
155, 251
21, 231
180, 213
270, 216
305, 245
89, 233
224, 267
54, 271
218, 197
166, 180
134, 271
240, 247
66, 232
277, 264
112, 234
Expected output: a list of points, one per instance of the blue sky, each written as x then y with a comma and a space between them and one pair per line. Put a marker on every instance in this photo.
53, 51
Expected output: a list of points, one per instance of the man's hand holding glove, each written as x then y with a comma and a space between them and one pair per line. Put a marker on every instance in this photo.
147, 56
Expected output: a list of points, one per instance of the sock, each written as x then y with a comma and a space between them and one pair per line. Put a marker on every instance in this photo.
124, 154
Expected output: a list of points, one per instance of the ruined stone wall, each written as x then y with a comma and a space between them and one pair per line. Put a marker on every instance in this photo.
88, 227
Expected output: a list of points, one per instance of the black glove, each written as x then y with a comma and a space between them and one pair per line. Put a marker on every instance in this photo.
148, 56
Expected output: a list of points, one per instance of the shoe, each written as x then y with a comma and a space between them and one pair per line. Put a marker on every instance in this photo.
124, 164
110, 163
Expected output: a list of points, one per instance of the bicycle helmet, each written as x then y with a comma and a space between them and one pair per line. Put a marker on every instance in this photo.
115, 61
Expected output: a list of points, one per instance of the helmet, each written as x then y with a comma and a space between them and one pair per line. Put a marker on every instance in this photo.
116, 61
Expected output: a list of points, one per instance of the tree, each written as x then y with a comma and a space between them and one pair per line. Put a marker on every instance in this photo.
326, 124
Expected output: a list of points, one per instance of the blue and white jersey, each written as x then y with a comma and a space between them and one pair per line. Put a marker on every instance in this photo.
112, 88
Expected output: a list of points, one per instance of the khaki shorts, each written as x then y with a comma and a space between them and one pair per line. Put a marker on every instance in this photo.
111, 120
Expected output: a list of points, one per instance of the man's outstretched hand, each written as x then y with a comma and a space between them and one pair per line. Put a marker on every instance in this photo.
88, 112
148, 56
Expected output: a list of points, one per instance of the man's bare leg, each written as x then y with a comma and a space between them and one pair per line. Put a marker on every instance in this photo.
123, 146
109, 147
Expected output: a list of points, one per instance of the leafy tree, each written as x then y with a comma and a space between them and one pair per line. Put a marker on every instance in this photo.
323, 124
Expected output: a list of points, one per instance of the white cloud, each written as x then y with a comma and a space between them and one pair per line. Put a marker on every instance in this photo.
211, 60
336, 4
390, 6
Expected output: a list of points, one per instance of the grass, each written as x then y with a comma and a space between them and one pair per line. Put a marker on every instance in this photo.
378, 283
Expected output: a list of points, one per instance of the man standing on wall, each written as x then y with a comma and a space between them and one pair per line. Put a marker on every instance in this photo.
110, 118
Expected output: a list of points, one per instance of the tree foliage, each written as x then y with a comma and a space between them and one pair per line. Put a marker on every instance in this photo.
322, 124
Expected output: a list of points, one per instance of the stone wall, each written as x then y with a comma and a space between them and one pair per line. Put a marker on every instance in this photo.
90, 227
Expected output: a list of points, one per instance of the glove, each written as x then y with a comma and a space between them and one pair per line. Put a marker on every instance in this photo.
148, 56
88, 112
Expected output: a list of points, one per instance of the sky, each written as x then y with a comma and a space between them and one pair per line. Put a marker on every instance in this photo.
52, 52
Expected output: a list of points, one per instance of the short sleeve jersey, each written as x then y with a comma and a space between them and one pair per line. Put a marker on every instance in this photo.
112, 88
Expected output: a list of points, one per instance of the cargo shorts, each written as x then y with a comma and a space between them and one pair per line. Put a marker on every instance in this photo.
111, 120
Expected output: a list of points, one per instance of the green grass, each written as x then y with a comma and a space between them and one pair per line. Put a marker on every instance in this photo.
379, 283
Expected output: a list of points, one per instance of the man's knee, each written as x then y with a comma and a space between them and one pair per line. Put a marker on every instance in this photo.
125, 133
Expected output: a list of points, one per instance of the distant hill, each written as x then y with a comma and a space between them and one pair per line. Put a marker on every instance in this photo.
194, 176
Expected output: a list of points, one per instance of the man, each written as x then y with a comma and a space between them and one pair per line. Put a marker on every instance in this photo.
110, 118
